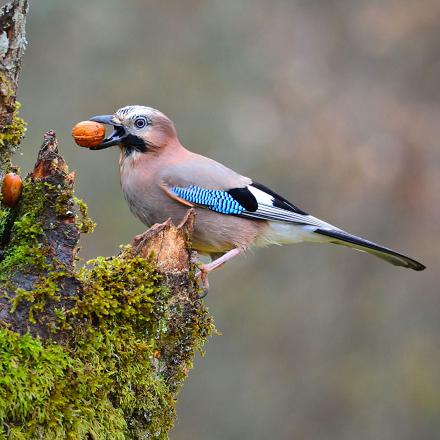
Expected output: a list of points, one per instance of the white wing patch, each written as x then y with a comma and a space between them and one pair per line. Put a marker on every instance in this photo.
268, 211
262, 197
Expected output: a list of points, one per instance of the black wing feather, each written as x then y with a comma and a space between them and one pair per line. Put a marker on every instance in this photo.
385, 253
245, 198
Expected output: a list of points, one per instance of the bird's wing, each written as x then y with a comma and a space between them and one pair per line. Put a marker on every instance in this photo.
254, 201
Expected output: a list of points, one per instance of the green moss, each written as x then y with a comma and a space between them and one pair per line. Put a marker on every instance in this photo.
4, 214
24, 247
46, 288
105, 293
12, 134
45, 394
85, 223
20, 390
63, 201
111, 378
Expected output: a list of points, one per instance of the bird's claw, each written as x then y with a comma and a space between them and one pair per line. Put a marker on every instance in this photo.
203, 275
203, 294
204, 269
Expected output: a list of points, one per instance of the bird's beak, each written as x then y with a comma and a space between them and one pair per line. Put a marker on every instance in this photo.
117, 137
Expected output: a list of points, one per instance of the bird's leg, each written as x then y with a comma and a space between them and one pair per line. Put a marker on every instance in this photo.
206, 268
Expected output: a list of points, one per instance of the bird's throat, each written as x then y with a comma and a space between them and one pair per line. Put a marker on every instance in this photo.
134, 143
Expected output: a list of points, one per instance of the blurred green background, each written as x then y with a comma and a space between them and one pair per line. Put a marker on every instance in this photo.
336, 105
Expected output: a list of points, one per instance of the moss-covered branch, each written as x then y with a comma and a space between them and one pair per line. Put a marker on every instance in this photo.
100, 352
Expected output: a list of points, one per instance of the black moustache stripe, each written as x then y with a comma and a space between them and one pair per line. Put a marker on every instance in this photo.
134, 143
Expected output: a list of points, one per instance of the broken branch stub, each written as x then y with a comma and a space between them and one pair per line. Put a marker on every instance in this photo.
40, 247
167, 246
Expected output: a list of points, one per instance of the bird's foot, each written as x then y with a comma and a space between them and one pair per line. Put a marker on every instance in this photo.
204, 269
203, 275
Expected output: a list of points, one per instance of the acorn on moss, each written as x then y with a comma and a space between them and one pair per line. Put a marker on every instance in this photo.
88, 133
11, 189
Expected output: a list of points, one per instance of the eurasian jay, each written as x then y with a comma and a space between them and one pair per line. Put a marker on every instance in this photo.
161, 179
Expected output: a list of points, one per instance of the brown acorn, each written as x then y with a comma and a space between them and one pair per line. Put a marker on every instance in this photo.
11, 189
88, 133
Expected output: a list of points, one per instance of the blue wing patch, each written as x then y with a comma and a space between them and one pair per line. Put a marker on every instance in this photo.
254, 201
216, 200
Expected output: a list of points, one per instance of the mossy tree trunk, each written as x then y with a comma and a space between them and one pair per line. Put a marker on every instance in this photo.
93, 353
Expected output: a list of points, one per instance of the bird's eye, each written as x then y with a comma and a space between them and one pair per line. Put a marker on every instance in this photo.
140, 122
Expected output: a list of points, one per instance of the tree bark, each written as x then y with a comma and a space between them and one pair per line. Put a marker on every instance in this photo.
12, 45
98, 352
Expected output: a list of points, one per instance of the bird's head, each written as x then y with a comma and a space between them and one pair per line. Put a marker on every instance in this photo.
137, 128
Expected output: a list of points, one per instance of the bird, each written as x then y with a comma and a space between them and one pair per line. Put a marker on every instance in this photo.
161, 179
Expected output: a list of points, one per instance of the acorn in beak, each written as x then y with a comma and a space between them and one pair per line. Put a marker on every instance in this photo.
118, 136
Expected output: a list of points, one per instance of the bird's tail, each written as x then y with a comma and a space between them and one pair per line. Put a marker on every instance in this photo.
345, 239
